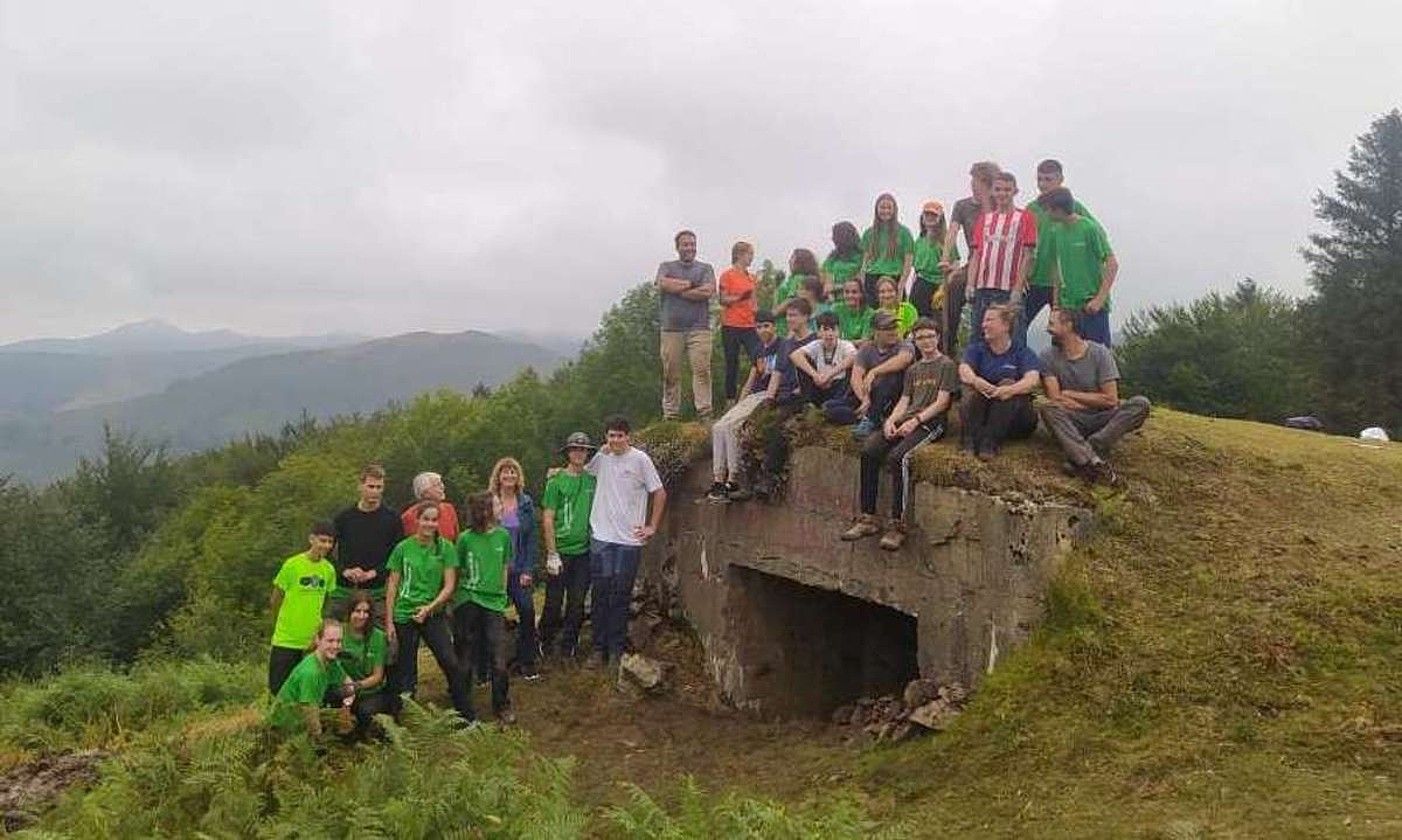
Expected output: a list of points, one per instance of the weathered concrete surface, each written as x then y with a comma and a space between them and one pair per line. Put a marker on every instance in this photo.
762, 584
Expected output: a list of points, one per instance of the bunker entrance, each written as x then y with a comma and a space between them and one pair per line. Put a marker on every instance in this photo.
804, 650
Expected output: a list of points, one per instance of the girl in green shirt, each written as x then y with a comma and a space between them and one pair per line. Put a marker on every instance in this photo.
479, 612
845, 261
929, 253
364, 652
423, 572
889, 300
853, 314
298, 702
887, 247
802, 265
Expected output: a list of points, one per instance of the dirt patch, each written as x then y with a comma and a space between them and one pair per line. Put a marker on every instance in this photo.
30, 788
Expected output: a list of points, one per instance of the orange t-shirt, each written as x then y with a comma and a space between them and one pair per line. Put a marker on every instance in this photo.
741, 313
447, 521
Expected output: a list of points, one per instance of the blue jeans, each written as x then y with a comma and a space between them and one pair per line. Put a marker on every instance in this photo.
984, 298
1094, 326
1033, 300
613, 568
527, 645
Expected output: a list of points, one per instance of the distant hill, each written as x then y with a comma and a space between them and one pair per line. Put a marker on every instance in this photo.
260, 394
156, 336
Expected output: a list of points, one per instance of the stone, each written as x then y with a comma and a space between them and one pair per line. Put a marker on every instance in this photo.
919, 692
641, 630
934, 715
902, 731
954, 693
646, 674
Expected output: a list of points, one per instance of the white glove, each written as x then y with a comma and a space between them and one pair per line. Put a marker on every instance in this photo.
554, 565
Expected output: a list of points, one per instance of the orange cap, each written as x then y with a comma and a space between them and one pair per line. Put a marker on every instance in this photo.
932, 206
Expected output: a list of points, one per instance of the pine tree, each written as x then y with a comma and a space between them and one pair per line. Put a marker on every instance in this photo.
1356, 314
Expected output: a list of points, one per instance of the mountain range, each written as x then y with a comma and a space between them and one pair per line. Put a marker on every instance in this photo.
192, 390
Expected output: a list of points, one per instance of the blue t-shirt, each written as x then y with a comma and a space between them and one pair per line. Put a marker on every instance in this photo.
1001, 367
767, 359
788, 373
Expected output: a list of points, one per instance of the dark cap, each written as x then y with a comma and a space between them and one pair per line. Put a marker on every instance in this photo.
764, 316
577, 440
884, 321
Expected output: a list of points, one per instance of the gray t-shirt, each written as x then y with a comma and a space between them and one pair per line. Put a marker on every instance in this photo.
870, 355
1087, 373
966, 211
678, 313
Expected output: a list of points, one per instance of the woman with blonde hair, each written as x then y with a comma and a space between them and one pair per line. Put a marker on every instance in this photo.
515, 511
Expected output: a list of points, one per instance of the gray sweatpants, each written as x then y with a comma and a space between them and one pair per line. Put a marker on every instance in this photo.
1085, 436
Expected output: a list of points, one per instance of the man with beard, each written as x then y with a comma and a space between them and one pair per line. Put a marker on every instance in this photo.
1083, 407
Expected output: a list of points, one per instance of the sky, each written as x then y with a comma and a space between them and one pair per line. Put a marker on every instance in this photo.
281, 168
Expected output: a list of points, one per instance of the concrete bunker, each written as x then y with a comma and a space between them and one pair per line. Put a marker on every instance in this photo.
804, 650
795, 621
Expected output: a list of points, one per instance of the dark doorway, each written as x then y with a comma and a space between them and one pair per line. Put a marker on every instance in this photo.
805, 651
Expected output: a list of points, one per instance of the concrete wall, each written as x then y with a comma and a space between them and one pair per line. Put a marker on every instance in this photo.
973, 575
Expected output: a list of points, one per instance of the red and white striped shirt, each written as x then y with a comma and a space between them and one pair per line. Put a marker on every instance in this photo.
1003, 240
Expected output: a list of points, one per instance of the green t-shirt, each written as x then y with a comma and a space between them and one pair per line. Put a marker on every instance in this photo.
786, 290
1041, 272
305, 686
304, 583
906, 315
484, 559
842, 269
853, 324
360, 655
878, 261
927, 259
1079, 248
571, 497
420, 570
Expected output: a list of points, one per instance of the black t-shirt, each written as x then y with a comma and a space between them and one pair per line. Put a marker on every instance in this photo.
365, 539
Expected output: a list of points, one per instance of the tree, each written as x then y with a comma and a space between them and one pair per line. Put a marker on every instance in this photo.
1235, 355
1356, 315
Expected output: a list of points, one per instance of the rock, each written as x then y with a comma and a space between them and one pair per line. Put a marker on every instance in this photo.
874, 729
641, 630
903, 731
649, 675
954, 693
843, 715
934, 715
919, 692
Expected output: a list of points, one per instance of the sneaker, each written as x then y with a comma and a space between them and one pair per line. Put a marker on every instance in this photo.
506, 717
717, 493
1100, 472
988, 452
865, 526
530, 673
736, 493
864, 428
967, 447
894, 537
1072, 470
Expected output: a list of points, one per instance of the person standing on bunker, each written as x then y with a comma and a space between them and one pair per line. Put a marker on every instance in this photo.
888, 249
963, 217
686, 286
620, 525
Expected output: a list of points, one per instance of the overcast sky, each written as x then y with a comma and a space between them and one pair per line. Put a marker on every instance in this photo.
382, 167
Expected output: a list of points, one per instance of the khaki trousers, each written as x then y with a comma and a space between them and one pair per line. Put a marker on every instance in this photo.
696, 345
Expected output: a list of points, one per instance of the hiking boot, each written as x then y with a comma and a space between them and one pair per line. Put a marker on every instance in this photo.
1072, 470
863, 429
987, 452
865, 526
894, 537
736, 493
530, 673
968, 447
717, 493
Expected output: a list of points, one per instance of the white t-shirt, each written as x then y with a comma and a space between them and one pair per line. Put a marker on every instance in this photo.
841, 352
620, 499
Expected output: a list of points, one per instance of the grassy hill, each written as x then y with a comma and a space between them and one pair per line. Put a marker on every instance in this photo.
1220, 660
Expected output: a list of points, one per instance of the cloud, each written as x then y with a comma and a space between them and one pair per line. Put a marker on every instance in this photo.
380, 168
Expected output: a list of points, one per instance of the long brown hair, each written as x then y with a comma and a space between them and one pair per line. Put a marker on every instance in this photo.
846, 241
938, 228
803, 263
890, 229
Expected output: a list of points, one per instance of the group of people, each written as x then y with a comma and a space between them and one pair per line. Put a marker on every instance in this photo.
374, 583
885, 358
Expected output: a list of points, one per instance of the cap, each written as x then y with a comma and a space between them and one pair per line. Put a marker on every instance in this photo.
883, 321
577, 440
764, 316
932, 206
